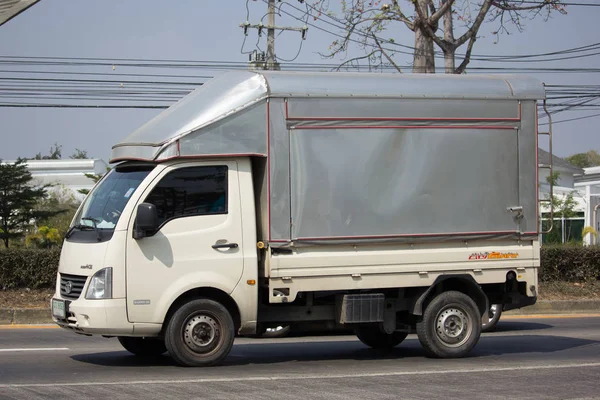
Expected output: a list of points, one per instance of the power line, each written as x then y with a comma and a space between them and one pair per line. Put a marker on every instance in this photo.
561, 4
106, 74
572, 119
480, 57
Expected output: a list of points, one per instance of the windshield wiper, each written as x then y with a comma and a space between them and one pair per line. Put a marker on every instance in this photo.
81, 227
98, 236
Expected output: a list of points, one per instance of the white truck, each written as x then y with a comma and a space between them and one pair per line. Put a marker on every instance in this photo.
383, 203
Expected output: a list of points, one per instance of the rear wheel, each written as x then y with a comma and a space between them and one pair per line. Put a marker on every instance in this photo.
143, 347
277, 331
373, 337
451, 325
494, 314
200, 333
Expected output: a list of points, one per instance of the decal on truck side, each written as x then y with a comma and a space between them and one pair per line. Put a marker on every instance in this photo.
494, 255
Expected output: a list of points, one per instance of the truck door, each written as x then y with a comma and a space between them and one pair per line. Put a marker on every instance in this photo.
198, 242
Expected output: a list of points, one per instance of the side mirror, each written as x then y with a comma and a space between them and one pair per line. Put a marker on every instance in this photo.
146, 220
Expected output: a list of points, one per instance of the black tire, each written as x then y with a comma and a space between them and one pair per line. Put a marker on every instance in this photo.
200, 333
494, 314
373, 337
451, 325
143, 347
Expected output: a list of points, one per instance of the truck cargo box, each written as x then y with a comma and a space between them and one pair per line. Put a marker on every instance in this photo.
353, 157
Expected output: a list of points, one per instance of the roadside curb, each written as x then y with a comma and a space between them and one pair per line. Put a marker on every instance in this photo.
559, 307
25, 316
35, 316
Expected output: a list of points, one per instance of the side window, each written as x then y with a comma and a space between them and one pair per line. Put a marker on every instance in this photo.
190, 191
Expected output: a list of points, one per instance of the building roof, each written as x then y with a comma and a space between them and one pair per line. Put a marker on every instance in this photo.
591, 176
51, 166
11, 8
557, 162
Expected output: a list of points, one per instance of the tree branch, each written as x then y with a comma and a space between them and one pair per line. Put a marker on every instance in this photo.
475, 27
426, 28
431, 7
354, 59
506, 7
463, 65
441, 11
386, 54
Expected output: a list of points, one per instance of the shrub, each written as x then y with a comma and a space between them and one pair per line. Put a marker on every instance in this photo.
36, 268
569, 263
28, 268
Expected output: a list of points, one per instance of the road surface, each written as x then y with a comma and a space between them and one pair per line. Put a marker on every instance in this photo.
541, 358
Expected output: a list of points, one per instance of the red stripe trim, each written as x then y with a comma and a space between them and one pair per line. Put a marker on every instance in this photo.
188, 157
408, 235
402, 127
400, 119
516, 119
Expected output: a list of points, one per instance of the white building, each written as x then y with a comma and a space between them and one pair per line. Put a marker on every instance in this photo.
68, 174
588, 184
585, 186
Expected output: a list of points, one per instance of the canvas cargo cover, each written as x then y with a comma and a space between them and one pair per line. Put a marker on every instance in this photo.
354, 156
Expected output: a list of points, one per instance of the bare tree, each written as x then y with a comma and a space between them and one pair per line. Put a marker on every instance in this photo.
434, 23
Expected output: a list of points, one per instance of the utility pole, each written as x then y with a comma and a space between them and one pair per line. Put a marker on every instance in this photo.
258, 60
271, 63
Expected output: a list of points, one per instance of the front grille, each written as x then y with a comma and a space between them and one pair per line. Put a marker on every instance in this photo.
71, 286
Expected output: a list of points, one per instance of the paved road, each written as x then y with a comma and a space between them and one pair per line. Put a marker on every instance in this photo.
526, 358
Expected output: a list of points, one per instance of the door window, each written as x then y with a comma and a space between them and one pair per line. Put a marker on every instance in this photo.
190, 191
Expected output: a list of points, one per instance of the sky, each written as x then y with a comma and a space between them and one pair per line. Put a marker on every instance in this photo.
209, 30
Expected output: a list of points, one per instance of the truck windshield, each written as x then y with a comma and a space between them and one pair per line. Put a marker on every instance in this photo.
103, 207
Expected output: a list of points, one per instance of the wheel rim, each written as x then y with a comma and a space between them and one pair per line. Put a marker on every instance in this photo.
201, 333
492, 312
453, 326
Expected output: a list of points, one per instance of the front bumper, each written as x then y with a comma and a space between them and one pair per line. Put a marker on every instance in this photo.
100, 317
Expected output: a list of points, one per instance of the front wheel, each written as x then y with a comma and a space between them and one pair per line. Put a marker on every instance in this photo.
143, 347
200, 333
451, 325
373, 337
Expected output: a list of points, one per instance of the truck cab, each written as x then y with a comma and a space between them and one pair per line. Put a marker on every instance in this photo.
196, 214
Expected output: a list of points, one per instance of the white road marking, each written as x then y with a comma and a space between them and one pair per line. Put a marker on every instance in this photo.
306, 377
36, 349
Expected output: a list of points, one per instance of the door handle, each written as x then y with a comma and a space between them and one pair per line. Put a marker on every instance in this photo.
225, 246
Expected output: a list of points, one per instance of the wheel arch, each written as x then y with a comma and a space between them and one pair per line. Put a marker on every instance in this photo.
461, 283
210, 293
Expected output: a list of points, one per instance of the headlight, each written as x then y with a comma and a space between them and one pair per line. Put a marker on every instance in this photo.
100, 285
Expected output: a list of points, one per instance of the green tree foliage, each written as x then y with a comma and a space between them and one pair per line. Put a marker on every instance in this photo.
18, 199
80, 155
44, 238
55, 153
564, 207
61, 204
585, 160
95, 178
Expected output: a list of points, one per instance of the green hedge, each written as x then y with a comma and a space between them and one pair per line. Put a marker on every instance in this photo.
28, 268
569, 263
35, 268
